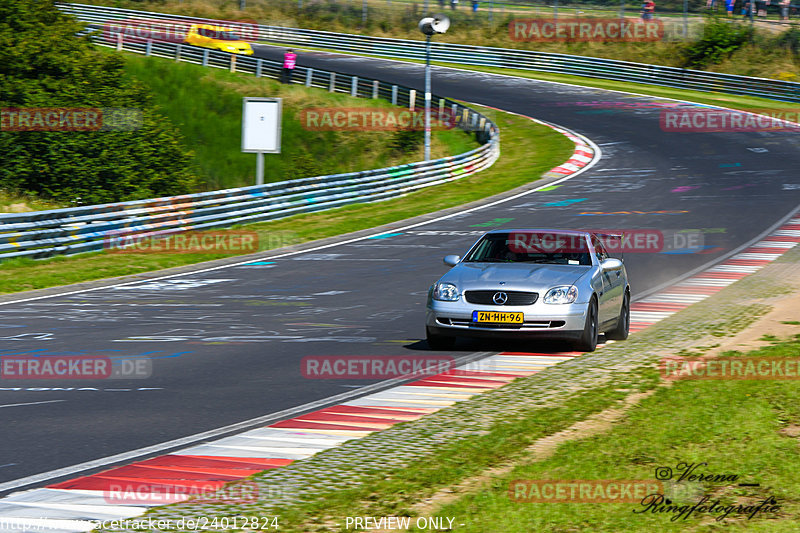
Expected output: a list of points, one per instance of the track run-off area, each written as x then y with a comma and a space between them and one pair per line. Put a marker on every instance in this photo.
225, 345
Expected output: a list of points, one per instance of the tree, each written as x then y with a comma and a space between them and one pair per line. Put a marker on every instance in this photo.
44, 64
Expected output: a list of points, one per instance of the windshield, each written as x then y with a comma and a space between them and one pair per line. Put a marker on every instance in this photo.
222, 35
531, 247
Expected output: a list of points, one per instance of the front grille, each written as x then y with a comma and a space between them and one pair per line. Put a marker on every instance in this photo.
528, 324
514, 297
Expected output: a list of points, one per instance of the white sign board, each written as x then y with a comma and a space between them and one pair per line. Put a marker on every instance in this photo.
261, 125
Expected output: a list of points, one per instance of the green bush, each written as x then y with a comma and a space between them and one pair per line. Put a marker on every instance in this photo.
720, 40
407, 141
790, 40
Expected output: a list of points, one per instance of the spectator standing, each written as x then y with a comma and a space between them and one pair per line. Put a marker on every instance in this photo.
648, 9
289, 62
453, 4
784, 4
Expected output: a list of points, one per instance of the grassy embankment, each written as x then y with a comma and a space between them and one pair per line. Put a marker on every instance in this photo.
206, 104
15, 203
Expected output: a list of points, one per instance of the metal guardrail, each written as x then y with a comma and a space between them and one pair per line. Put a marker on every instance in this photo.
486, 56
74, 230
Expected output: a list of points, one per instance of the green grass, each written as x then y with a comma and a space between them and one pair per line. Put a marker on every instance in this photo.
20, 203
206, 105
735, 426
528, 150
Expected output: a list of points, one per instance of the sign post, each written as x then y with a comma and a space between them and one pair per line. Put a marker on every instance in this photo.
261, 129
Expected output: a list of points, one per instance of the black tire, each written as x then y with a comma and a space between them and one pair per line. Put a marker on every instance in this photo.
439, 342
588, 339
620, 331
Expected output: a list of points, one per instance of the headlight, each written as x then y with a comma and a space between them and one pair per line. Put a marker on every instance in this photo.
564, 294
446, 292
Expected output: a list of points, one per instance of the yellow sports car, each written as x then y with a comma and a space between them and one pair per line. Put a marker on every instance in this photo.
217, 38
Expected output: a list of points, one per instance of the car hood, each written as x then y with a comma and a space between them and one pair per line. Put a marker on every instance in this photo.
521, 276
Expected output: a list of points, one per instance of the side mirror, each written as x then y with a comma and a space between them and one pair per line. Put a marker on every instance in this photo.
611, 264
452, 260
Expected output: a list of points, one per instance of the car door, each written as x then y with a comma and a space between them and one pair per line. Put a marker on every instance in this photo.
613, 286
204, 36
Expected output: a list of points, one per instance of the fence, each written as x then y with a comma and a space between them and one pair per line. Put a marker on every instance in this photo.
91, 228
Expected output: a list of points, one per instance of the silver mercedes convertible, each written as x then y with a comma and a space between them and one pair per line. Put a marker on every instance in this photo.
531, 284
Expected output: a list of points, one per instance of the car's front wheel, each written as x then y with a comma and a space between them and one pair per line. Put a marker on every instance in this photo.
588, 339
439, 342
620, 331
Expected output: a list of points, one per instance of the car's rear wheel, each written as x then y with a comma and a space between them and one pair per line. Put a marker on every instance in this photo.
620, 331
588, 340
439, 342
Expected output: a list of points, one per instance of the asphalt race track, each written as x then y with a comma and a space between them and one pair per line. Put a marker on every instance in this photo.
226, 345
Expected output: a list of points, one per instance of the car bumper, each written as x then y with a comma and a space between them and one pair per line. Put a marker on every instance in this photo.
540, 321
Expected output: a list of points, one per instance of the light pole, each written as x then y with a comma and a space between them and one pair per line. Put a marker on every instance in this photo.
430, 26
686, 19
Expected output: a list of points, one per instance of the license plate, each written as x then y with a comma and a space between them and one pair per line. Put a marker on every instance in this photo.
497, 317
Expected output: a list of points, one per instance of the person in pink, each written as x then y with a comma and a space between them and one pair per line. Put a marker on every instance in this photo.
289, 62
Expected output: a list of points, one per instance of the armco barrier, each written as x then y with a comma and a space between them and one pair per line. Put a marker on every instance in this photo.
84, 229
488, 56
